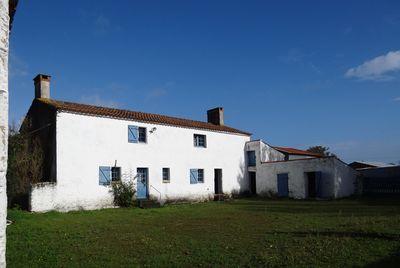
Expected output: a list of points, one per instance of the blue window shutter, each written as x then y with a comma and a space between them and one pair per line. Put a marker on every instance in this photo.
133, 134
193, 176
104, 175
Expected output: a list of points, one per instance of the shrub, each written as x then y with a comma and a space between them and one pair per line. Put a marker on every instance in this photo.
124, 193
241, 194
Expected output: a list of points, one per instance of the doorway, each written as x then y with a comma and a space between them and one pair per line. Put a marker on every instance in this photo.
283, 185
218, 181
142, 183
253, 185
314, 184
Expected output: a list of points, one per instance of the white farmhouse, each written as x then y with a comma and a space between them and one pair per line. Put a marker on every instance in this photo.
86, 148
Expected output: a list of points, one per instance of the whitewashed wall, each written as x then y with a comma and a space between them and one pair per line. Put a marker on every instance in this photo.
86, 142
4, 45
51, 196
338, 179
294, 157
264, 151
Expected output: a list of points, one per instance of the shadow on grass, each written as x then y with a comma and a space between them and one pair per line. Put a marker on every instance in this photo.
387, 237
389, 261
357, 207
380, 200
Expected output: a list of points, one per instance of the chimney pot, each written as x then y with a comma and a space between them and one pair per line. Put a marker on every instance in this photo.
42, 86
216, 116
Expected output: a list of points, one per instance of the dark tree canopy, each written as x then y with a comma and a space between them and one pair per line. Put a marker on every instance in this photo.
25, 161
322, 150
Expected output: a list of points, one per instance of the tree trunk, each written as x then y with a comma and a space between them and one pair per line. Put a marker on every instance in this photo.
4, 37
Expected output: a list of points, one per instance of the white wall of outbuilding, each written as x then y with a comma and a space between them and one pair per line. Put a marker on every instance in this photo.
338, 179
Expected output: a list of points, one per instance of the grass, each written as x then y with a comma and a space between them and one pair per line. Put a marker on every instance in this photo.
245, 232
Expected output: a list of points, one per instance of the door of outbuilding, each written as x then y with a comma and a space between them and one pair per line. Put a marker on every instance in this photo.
314, 184
283, 185
253, 183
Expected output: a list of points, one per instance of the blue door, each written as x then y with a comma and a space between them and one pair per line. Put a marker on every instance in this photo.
142, 183
283, 185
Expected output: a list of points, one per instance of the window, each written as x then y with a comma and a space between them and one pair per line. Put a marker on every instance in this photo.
200, 175
137, 134
251, 158
165, 174
109, 174
196, 176
199, 140
115, 174
142, 135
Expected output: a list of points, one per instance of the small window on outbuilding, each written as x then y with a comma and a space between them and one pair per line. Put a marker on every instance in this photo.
199, 140
251, 158
165, 175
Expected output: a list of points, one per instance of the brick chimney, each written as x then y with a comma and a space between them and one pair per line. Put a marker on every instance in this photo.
216, 116
42, 86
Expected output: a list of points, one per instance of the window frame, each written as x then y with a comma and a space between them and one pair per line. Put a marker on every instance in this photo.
202, 175
250, 163
197, 172
115, 170
144, 129
168, 179
196, 140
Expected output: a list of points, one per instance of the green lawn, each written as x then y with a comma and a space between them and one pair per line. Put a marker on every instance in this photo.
245, 232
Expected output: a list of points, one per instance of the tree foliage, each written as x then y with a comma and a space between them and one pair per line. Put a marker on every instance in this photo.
322, 150
25, 166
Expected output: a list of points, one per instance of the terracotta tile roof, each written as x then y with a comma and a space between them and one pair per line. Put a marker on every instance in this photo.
136, 116
289, 150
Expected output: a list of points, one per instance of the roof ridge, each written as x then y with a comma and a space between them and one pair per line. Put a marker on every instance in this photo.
136, 115
288, 149
119, 109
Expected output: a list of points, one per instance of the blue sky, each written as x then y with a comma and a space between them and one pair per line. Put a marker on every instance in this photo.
294, 73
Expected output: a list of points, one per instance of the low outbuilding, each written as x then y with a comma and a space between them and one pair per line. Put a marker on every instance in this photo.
289, 172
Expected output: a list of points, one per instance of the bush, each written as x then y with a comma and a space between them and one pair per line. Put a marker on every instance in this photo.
124, 193
241, 194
